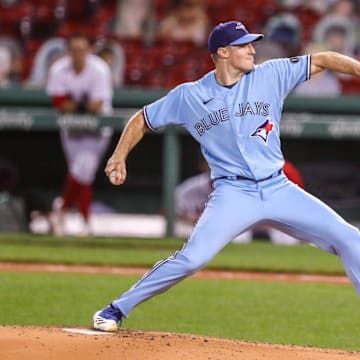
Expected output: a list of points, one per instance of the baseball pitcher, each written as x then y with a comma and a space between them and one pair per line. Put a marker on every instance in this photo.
234, 113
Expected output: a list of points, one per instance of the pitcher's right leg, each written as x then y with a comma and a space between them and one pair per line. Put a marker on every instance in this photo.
229, 212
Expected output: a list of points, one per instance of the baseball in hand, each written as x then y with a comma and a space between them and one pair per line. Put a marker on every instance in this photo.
112, 177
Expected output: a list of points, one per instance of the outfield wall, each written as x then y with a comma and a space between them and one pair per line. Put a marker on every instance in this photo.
321, 136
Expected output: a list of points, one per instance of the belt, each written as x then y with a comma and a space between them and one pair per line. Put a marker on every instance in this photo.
238, 177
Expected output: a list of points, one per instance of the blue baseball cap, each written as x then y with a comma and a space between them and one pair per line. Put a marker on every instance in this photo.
230, 33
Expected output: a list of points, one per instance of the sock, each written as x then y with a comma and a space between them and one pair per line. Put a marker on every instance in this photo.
85, 199
71, 192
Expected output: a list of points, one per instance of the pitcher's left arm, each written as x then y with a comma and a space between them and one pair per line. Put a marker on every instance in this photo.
329, 60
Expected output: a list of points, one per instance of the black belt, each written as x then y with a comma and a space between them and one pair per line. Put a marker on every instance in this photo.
238, 177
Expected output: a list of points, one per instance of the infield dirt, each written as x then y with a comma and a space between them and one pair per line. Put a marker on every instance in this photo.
42, 343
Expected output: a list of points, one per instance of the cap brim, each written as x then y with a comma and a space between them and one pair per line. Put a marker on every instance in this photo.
248, 38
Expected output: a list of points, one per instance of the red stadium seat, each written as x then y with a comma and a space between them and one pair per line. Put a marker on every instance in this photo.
16, 11
161, 8
15, 20
80, 10
105, 15
162, 64
46, 18
350, 86
308, 19
93, 30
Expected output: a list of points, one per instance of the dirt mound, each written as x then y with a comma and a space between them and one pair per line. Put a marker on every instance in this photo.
46, 343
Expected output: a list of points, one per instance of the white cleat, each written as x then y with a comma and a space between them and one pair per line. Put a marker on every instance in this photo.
103, 324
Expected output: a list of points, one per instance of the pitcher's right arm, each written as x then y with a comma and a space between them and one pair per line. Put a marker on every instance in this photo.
133, 132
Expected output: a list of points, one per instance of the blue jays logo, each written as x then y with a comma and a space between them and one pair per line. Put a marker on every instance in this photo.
264, 130
239, 26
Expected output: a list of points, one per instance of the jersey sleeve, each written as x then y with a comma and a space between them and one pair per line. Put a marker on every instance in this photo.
287, 73
101, 87
55, 85
165, 111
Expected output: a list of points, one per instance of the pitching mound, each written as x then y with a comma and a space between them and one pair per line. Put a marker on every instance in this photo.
56, 343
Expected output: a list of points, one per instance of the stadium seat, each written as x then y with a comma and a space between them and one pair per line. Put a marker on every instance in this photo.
308, 19
31, 46
93, 30
80, 10
161, 8
159, 64
46, 18
350, 85
15, 20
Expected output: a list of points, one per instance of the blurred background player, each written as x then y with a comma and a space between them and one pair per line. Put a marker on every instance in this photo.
5, 67
113, 54
134, 19
80, 83
186, 21
50, 51
190, 198
323, 84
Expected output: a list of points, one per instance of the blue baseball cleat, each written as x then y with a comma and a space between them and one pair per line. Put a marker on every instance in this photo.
108, 319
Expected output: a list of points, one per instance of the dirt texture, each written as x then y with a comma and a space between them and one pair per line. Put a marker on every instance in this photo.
43, 343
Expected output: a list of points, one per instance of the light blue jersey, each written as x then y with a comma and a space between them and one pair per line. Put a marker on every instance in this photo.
238, 127
239, 132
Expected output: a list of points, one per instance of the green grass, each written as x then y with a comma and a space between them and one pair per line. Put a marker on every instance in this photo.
256, 256
303, 314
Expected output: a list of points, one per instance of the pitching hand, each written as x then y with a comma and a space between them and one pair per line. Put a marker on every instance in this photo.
115, 170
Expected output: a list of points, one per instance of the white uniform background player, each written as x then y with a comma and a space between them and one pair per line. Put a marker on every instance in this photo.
234, 113
81, 83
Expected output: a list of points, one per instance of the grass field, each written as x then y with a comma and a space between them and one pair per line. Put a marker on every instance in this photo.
304, 314
256, 256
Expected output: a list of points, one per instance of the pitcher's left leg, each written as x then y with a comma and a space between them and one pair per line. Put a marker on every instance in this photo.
308, 218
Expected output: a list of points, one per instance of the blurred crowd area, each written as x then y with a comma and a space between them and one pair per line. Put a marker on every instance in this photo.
161, 43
